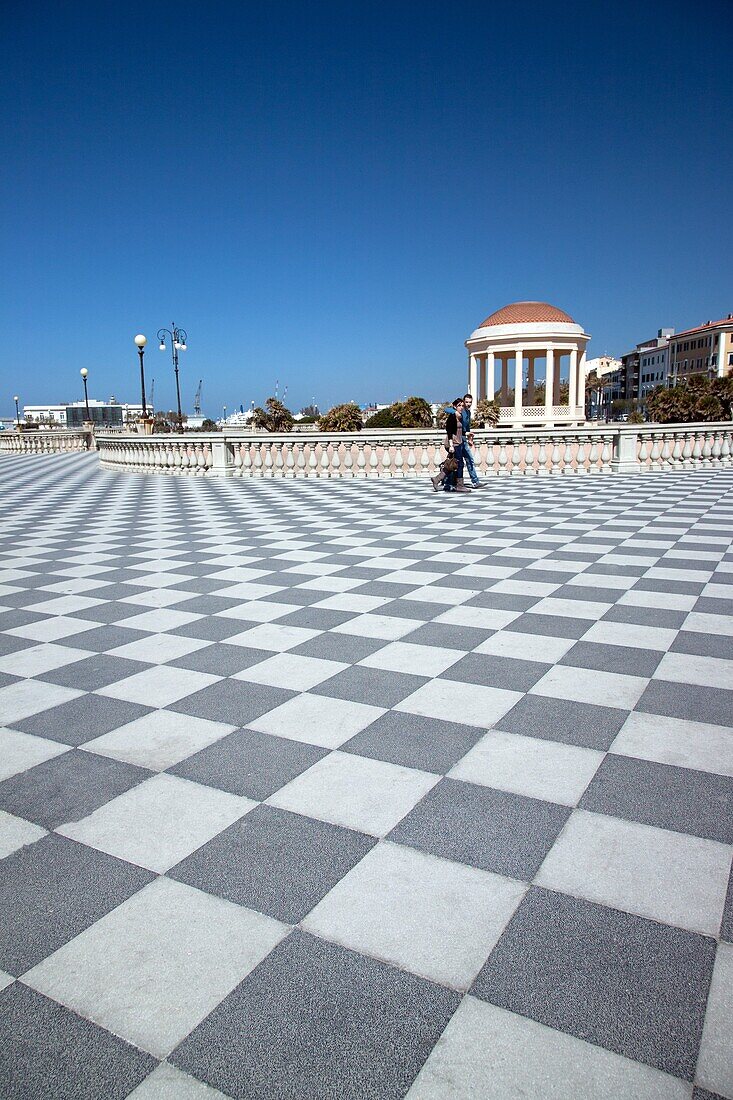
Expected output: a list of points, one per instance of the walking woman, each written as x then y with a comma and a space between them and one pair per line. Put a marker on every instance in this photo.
454, 446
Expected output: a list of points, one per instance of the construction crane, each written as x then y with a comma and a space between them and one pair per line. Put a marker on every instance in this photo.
197, 400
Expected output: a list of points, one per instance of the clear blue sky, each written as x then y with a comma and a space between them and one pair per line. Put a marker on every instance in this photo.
335, 194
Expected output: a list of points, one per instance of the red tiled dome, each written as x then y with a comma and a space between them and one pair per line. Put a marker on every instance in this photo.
522, 313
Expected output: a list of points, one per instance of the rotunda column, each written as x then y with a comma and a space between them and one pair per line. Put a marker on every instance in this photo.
573, 379
549, 382
473, 375
518, 356
489, 387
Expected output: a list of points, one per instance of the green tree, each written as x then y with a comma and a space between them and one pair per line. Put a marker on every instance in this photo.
341, 418
274, 417
413, 412
487, 412
384, 418
698, 398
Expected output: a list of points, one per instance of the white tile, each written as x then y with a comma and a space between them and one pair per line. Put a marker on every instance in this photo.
484, 618
417, 660
530, 766
317, 720
273, 636
468, 704
714, 1064
701, 623
572, 609
16, 833
158, 648
584, 685
671, 601
711, 591
416, 577
630, 634
159, 685
289, 670
248, 593
359, 793
524, 588
434, 593
158, 964
684, 744
314, 569
168, 1083
655, 873
330, 584
160, 598
65, 605
5, 980
487, 1053
699, 576
159, 822
27, 697
50, 630
399, 905
689, 668
160, 620
605, 580
526, 647
351, 602
38, 659
158, 740
561, 565
387, 627
238, 574
20, 751
487, 571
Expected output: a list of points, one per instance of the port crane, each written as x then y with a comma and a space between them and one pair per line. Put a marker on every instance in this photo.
197, 400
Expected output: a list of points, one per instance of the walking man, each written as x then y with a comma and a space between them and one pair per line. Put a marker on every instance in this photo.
468, 455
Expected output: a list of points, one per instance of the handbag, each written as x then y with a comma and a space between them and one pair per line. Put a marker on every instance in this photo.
450, 464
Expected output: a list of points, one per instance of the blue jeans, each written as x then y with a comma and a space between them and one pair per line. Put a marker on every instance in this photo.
470, 464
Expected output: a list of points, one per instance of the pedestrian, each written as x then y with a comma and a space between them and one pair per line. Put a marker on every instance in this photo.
453, 480
468, 455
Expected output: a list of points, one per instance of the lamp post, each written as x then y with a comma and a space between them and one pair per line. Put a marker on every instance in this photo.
17, 412
178, 338
140, 342
84, 372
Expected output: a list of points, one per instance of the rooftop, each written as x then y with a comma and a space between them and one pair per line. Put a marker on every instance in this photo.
298, 778
522, 313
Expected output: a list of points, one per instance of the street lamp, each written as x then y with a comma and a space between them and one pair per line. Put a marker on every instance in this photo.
84, 372
17, 413
178, 338
140, 342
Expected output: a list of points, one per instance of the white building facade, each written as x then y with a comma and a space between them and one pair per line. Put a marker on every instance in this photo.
525, 354
57, 416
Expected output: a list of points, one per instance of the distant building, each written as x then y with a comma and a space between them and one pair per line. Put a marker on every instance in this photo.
72, 414
707, 349
654, 362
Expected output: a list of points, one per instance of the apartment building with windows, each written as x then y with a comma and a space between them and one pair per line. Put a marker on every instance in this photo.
706, 349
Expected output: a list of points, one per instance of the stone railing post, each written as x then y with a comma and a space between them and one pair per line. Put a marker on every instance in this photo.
624, 459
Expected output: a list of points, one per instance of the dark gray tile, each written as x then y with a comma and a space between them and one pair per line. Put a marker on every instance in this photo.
627, 660
669, 797
492, 671
427, 744
700, 704
708, 605
221, 659
298, 597
497, 831
100, 639
726, 926
563, 720
374, 686
53, 889
681, 588
448, 635
11, 619
249, 763
583, 593
210, 628
404, 608
384, 588
703, 645
703, 1094
67, 788
276, 862
113, 612
81, 719
339, 647
557, 626
625, 983
49, 1053
206, 604
232, 701
502, 601
27, 597
316, 618
10, 644
645, 616
92, 673
316, 1020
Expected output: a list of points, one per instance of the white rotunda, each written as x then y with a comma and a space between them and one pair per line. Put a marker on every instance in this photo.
531, 356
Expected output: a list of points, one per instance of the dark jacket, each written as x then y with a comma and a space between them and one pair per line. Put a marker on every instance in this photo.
451, 425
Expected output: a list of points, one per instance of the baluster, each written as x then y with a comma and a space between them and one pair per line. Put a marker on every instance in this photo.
289, 460
424, 460
502, 456
606, 454
398, 461
299, 459
697, 448
335, 461
516, 456
725, 447
542, 456
677, 449
643, 450
237, 459
312, 460
438, 456
349, 458
279, 464
386, 457
268, 459
568, 457
258, 471
361, 470
325, 460
555, 459
373, 472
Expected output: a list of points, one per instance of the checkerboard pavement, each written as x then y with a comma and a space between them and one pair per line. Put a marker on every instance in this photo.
346, 789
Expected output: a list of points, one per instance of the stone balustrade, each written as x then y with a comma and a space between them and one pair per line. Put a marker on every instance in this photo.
39, 442
617, 448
